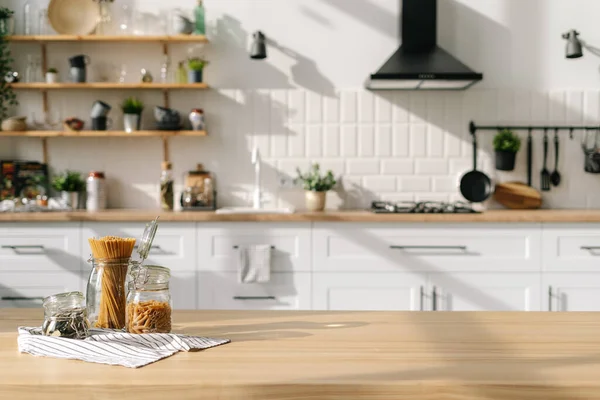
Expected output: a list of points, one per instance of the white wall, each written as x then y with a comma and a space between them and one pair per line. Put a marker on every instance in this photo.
306, 102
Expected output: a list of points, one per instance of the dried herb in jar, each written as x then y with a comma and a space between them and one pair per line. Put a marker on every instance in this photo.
72, 324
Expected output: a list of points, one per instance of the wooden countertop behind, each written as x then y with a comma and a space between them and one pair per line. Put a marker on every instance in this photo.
131, 215
329, 355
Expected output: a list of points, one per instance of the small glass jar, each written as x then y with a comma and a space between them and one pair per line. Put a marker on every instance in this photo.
149, 300
106, 292
65, 316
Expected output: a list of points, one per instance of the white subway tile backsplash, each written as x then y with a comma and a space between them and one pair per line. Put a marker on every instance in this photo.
383, 140
349, 106
415, 184
591, 106
575, 107
314, 141
431, 167
297, 104
331, 142
297, 141
314, 107
418, 108
401, 140
363, 167
383, 107
331, 106
398, 167
435, 141
400, 106
418, 140
380, 184
539, 107
338, 167
557, 106
366, 141
452, 144
445, 184
366, 105
349, 141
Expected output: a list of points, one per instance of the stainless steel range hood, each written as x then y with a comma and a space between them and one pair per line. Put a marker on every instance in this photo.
419, 64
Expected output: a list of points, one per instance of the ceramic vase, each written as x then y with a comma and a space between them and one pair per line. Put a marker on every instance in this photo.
131, 122
51, 77
71, 199
195, 76
315, 201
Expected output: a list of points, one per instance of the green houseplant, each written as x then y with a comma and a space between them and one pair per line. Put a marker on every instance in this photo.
132, 113
7, 96
195, 67
315, 186
506, 146
69, 184
52, 75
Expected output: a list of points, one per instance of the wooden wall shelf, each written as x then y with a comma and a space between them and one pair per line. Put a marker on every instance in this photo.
109, 85
46, 134
111, 39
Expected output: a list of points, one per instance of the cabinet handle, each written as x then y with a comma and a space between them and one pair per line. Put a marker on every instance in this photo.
550, 298
254, 298
237, 247
421, 296
462, 248
590, 248
151, 247
23, 247
434, 299
17, 298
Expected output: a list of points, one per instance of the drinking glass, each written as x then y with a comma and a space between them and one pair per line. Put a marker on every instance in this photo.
43, 22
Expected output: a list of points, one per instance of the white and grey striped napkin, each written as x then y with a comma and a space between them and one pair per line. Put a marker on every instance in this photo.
112, 347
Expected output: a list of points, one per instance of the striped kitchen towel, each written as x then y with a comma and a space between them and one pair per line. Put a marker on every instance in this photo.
112, 347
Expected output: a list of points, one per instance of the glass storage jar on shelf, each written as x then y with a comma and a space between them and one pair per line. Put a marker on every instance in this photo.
149, 300
65, 316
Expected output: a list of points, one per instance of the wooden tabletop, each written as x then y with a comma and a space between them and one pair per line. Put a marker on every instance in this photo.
334, 355
132, 215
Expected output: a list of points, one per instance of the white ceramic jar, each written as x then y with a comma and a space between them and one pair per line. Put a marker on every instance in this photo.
96, 191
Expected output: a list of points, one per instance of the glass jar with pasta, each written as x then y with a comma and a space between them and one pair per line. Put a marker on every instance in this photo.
149, 300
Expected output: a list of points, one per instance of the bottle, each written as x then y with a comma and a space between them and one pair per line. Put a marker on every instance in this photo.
27, 19
167, 193
96, 191
181, 73
164, 70
199, 12
209, 191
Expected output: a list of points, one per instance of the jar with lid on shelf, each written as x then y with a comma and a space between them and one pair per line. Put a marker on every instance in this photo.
65, 315
149, 300
96, 191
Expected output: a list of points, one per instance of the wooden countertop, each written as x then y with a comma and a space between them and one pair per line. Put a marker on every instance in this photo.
132, 215
334, 355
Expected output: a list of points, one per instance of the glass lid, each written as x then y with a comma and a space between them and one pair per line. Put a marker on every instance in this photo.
147, 239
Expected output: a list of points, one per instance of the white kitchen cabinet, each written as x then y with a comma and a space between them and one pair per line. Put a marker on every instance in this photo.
184, 290
173, 247
217, 245
40, 247
285, 291
27, 290
416, 248
369, 291
461, 291
571, 247
571, 291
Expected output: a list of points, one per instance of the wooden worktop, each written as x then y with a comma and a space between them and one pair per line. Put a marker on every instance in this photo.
334, 355
133, 215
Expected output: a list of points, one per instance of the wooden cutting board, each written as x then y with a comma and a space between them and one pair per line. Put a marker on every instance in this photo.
517, 195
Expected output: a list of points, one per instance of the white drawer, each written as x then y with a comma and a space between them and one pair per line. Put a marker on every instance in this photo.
35, 247
183, 286
173, 246
423, 247
571, 247
285, 291
217, 245
26, 290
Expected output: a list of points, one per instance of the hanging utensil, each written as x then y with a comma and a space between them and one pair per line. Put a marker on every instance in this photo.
475, 186
555, 177
545, 174
590, 144
529, 156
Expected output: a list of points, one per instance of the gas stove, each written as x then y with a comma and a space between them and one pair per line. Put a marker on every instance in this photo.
422, 207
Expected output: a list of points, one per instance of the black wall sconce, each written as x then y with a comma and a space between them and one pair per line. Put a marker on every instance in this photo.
574, 45
258, 50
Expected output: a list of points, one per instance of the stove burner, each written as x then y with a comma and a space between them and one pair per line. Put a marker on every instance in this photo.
422, 207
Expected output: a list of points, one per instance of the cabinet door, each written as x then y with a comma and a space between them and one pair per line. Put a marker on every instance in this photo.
365, 291
571, 292
571, 247
485, 291
184, 290
27, 290
285, 291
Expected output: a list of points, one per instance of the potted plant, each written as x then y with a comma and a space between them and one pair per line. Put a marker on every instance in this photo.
195, 67
7, 96
7, 22
132, 113
506, 146
316, 186
52, 75
69, 184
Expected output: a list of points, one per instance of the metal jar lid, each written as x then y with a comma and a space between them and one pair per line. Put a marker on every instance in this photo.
147, 239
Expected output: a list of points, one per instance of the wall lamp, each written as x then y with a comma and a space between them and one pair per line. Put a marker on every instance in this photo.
258, 51
574, 45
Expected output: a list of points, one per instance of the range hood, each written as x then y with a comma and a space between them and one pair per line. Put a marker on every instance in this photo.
419, 64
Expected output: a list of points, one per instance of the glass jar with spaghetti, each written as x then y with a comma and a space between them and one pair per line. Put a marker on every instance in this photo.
149, 300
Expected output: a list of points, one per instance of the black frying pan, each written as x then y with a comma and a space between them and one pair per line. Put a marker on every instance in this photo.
475, 186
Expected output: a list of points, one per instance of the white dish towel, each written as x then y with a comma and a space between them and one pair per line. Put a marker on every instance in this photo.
254, 263
112, 347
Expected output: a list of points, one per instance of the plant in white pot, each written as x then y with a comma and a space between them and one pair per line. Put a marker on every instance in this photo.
316, 187
69, 184
52, 75
132, 114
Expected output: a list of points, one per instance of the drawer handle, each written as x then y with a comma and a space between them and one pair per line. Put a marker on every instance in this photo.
462, 248
24, 247
237, 247
151, 247
254, 298
590, 248
17, 298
